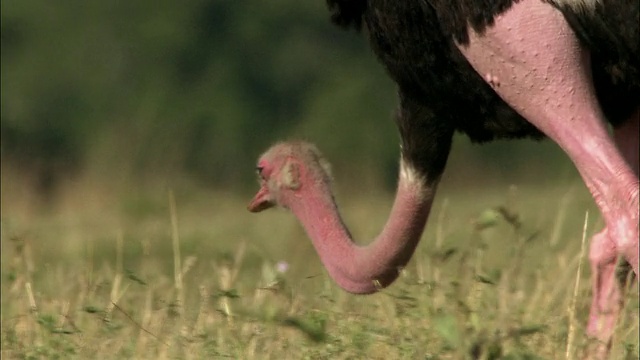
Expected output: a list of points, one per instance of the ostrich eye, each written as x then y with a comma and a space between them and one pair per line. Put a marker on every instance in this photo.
259, 172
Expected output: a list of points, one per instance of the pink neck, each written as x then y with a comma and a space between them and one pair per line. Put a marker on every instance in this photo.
364, 269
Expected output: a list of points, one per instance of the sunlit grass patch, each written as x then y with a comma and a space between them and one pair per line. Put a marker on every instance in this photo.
198, 277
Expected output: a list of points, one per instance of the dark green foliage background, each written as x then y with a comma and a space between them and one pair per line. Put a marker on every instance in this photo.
163, 89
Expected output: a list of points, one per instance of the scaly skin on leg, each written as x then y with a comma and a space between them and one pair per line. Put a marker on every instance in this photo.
539, 68
626, 137
607, 291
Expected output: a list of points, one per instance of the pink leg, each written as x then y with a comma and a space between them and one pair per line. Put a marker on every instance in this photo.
626, 137
607, 293
540, 69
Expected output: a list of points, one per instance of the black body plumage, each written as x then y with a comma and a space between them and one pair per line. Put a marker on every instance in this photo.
440, 92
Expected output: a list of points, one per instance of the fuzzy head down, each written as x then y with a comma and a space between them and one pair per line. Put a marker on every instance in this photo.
285, 169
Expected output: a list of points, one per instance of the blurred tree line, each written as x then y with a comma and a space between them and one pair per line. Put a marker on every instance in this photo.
148, 88
130, 90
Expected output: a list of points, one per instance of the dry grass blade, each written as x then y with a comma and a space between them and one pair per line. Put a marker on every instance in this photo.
572, 305
177, 267
137, 324
117, 280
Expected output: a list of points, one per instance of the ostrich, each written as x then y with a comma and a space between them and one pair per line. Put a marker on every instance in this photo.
491, 69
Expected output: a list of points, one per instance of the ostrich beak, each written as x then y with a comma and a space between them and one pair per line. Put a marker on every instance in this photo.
262, 200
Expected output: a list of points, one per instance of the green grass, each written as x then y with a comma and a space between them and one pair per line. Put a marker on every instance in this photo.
494, 277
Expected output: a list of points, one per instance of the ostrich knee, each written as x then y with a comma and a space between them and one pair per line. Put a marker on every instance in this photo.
607, 297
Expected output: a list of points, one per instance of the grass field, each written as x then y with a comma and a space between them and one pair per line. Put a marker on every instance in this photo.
194, 276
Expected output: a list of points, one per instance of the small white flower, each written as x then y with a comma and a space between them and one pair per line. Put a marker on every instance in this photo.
282, 267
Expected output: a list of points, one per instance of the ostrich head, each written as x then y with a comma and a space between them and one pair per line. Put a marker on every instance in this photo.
284, 170
296, 176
